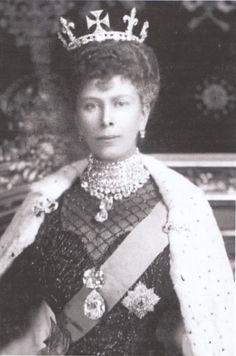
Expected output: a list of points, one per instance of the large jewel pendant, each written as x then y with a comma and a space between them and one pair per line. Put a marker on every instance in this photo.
101, 216
94, 305
105, 206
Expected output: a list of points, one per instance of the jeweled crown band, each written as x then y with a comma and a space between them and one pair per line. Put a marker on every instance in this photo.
100, 34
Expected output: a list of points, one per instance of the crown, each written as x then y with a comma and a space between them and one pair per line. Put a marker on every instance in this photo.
100, 34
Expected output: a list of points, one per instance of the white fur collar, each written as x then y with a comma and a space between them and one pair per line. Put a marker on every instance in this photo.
200, 270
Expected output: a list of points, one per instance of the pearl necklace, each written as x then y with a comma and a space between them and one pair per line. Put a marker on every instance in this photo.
109, 181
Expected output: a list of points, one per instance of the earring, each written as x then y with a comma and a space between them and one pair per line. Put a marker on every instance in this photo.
142, 134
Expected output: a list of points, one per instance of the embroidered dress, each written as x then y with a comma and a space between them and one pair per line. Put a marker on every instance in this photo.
71, 241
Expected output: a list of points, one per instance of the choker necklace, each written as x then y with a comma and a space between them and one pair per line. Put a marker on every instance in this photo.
109, 181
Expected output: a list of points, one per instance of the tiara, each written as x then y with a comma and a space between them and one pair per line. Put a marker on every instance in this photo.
100, 34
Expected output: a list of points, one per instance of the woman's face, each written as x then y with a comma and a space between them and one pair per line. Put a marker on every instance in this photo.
109, 117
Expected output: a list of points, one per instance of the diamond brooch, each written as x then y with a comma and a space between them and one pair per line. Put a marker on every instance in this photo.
94, 305
44, 206
141, 300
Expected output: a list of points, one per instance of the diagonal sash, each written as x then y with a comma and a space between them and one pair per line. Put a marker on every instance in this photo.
121, 270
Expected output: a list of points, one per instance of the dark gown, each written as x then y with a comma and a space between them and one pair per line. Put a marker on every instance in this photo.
71, 241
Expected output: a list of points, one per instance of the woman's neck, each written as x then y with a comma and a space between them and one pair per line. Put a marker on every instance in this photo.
109, 181
129, 154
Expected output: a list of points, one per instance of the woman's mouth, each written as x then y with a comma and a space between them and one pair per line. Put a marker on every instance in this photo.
107, 138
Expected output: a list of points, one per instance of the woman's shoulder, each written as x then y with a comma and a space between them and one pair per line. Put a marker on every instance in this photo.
55, 184
179, 194
41, 200
169, 179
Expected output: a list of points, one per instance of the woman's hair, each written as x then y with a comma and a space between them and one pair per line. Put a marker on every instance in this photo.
133, 61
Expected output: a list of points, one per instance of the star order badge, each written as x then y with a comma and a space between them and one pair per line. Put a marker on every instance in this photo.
141, 300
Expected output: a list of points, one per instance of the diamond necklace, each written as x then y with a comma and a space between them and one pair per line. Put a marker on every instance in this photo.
109, 181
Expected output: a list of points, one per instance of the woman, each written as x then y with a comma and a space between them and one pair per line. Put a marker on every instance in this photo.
117, 254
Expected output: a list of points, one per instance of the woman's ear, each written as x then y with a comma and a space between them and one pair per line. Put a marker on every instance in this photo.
145, 115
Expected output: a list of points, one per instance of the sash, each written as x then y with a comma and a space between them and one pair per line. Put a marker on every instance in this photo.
121, 270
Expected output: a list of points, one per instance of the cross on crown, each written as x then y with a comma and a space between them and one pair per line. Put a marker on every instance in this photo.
98, 21
100, 34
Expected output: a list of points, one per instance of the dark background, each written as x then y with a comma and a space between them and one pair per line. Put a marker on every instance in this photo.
197, 104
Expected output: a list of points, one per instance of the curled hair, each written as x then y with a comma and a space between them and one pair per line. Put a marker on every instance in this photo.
133, 61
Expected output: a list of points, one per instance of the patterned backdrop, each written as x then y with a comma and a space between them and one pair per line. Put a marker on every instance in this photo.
195, 42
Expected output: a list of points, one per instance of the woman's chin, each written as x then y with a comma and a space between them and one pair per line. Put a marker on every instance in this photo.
112, 154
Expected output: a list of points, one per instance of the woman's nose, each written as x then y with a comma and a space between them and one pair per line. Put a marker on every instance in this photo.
106, 118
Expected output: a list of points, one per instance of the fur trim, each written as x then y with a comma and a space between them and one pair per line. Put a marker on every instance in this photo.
200, 269
57, 183
25, 225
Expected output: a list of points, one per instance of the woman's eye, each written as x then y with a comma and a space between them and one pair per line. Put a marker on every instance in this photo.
89, 106
120, 103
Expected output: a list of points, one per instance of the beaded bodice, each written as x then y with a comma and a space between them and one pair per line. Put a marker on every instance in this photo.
98, 238
70, 241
